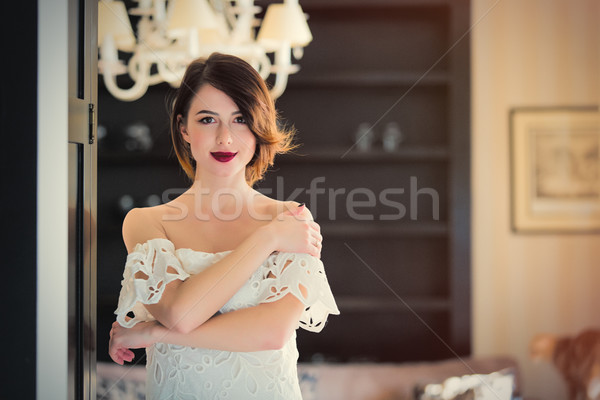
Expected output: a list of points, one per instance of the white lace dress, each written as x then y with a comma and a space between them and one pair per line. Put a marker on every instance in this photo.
180, 372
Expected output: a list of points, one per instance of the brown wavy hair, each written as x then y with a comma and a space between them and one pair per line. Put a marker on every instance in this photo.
242, 83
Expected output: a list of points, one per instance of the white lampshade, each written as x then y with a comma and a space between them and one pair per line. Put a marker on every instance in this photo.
188, 14
214, 36
113, 20
284, 23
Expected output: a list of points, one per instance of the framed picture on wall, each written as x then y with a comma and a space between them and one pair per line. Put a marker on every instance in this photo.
555, 163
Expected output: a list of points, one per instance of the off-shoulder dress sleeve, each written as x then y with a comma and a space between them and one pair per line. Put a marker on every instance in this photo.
289, 272
148, 270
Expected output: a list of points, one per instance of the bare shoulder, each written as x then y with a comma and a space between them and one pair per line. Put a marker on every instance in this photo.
141, 225
274, 207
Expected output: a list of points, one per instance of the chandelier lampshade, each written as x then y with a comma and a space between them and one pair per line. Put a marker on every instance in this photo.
114, 21
187, 14
284, 23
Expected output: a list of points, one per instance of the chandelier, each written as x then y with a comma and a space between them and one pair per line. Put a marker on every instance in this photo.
172, 33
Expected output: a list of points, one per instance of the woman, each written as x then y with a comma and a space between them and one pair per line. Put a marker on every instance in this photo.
217, 280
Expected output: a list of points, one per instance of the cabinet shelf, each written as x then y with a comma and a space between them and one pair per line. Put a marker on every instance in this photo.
361, 229
370, 79
325, 155
381, 304
339, 155
122, 159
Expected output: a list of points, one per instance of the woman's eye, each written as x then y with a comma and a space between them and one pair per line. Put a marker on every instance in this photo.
207, 120
240, 120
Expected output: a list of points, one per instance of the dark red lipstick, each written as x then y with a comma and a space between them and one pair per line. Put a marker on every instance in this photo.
222, 156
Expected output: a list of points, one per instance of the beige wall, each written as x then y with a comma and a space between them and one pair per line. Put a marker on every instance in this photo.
528, 53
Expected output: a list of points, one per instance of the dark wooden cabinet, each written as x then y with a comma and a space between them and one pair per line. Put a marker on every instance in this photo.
398, 262
402, 284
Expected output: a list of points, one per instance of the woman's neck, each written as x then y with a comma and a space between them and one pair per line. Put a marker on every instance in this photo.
221, 196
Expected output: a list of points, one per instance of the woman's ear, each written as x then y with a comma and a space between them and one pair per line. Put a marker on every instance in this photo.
182, 128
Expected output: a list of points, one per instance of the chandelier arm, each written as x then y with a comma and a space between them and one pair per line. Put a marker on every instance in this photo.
139, 88
263, 64
155, 79
283, 66
109, 57
281, 79
133, 68
228, 13
242, 29
168, 72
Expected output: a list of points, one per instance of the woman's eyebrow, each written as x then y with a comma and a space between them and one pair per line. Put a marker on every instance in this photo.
207, 112
216, 113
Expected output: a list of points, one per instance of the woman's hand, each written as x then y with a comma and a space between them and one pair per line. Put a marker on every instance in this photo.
124, 339
295, 232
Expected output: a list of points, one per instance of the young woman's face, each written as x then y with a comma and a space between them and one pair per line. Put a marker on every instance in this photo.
221, 142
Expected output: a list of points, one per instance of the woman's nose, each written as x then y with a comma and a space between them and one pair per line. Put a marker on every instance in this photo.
224, 135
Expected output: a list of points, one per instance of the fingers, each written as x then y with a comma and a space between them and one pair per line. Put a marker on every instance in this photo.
126, 354
317, 238
315, 226
291, 209
317, 235
315, 244
120, 354
121, 357
298, 210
